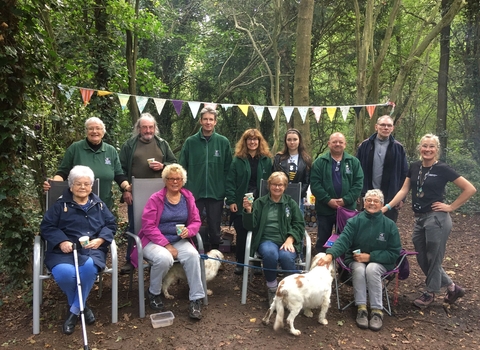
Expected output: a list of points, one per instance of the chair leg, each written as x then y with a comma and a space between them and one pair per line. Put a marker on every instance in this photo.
204, 280
113, 250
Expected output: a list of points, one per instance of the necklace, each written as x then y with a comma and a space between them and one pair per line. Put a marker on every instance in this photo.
173, 200
421, 181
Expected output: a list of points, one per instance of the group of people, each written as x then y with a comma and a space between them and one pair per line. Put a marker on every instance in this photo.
378, 174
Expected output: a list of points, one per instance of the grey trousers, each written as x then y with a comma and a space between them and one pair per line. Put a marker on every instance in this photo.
430, 236
162, 260
368, 276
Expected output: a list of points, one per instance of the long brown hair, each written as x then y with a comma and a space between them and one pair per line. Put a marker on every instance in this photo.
301, 148
241, 150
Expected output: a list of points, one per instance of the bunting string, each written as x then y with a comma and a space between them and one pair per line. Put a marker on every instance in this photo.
258, 110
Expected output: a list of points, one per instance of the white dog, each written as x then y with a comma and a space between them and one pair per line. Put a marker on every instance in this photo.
176, 272
308, 291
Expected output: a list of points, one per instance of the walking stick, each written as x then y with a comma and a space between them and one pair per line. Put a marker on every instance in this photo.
80, 298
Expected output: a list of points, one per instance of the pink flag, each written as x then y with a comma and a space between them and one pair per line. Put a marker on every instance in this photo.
86, 95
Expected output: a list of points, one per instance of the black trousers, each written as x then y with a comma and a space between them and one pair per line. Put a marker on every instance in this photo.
213, 211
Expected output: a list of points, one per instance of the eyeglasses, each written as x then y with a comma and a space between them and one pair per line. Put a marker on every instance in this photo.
252, 139
375, 201
174, 179
385, 125
94, 128
277, 185
80, 184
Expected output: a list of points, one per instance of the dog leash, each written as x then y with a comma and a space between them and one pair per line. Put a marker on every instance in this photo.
205, 257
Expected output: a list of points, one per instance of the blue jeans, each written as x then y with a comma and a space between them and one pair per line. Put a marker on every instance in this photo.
272, 256
66, 278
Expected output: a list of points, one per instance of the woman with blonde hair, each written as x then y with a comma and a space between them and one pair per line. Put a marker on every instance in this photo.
251, 163
427, 178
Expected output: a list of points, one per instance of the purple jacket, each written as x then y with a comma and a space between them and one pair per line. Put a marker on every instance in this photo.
151, 219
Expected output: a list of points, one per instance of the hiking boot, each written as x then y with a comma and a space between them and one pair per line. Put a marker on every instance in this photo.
195, 309
156, 302
125, 270
424, 300
452, 296
89, 316
362, 319
271, 294
376, 322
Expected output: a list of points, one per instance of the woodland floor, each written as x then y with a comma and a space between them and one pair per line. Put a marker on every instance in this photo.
229, 325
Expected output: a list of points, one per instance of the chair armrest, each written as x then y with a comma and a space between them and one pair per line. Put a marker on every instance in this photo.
308, 250
201, 248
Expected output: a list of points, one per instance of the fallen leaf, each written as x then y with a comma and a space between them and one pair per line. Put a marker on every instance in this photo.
253, 320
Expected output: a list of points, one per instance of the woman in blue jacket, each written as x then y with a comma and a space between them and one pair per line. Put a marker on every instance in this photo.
78, 212
251, 163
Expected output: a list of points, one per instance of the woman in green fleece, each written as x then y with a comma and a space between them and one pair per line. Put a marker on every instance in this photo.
278, 227
371, 244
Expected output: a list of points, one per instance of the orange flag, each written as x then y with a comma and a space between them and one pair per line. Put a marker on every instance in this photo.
86, 95
370, 110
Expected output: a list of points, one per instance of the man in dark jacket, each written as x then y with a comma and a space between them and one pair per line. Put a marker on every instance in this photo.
384, 163
144, 155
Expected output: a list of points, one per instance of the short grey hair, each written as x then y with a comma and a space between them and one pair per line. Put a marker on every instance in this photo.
174, 168
208, 110
375, 192
145, 116
79, 171
96, 121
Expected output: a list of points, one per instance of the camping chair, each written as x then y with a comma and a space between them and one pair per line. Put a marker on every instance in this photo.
343, 215
142, 189
295, 191
41, 273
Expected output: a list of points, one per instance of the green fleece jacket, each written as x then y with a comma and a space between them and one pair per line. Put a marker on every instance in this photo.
239, 176
374, 234
128, 150
321, 183
291, 221
207, 163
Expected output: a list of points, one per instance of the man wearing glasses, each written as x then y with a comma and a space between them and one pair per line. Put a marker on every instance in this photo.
206, 156
144, 155
336, 180
384, 163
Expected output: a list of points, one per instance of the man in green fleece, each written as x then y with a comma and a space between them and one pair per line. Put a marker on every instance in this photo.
336, 180
207, 156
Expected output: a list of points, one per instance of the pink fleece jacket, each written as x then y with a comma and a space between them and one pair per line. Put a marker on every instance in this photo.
151, 219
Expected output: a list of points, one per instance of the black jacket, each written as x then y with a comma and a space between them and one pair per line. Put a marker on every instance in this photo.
302, 175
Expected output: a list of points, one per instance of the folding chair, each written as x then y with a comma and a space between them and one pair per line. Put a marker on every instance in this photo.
295, 191
343, 215
142, 189
41, 273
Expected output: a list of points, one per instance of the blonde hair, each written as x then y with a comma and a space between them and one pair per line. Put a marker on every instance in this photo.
276, 175
437, 144
174, 168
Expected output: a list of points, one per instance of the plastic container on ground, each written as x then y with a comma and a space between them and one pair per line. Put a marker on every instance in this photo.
162, 319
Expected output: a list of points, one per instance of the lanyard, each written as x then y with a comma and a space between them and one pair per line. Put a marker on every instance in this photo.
421, 181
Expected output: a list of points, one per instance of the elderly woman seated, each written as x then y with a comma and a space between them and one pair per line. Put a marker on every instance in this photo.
278, 226
371, 244
78, 212
162, 243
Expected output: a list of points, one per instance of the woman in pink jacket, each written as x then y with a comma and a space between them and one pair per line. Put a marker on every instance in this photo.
162, 242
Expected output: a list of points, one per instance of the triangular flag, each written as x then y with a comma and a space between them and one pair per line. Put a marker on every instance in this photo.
370, 110
86, 95
123, 98
178, 106
357, 110
210, 105
68, 90
141, 102
318, 112
288, 110
331, 112
273, 111
244, 109
159, 103
259, 111
194, 107
344, 110
103, 92
303, 112
227, 105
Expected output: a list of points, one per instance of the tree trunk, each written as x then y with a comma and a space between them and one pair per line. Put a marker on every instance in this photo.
443, 82
301, 95
131, 53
